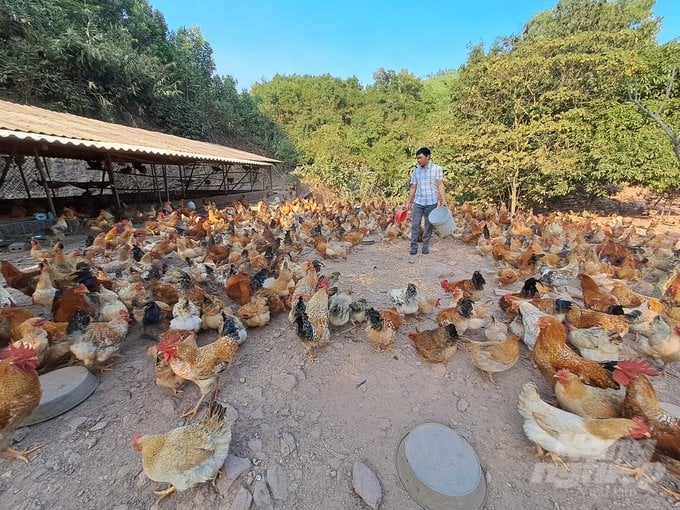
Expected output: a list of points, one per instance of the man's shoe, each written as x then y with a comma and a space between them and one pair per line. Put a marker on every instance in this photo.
413, 251
426, 250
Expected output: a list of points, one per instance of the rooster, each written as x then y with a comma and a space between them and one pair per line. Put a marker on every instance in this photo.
200, 365
21, 394
188, 455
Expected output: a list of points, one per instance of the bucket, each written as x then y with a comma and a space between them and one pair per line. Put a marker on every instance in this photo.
442, 221
400, 215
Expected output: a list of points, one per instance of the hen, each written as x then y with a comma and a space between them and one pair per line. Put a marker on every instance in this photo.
471, 288
552, 353
20, 393
256, 313
437, 345
339, 309
495, 357
100, 341
311, 321
595, 298
17, 279
563, 433
406, 300
68, 302
382, 327
188, 455
200, 365
587, 401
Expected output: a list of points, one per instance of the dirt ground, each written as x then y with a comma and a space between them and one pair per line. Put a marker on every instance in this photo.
301, 425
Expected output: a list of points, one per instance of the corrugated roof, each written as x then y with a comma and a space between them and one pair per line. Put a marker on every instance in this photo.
30, 123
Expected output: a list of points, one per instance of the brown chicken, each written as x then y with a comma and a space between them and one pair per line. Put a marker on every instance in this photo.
164, 374
495, 357
586, 401
20, 393
551, 353
382, 327
165, 292
256, 313
66, 303
578, 317
11, 318
436, 345
311, 321
188, 455
100, 341
239, 288
595, 298
200, 365
471, 288
24, 282
641, 400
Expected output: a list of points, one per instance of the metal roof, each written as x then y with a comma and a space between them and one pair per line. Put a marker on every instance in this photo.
22, 123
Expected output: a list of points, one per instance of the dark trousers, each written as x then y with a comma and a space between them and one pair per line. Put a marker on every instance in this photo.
418, 212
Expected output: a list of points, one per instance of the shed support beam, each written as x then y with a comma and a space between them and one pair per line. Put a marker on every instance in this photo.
43, 175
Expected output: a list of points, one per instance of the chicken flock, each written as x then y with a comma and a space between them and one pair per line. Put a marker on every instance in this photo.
179, 274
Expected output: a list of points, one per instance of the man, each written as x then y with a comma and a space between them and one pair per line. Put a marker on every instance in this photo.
425, 193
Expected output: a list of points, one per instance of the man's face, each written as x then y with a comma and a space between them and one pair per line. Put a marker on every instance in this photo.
422, 160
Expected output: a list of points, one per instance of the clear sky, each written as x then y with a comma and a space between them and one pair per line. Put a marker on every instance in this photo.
254, 40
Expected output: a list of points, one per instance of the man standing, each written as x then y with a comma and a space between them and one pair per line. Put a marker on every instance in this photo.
425, 193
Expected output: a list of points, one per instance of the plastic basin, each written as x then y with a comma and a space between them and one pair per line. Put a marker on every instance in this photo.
442, 221
400, 215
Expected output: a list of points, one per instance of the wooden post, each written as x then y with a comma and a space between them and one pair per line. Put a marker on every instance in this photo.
41, 169
156, 184
114, 190
165, 181
20, 166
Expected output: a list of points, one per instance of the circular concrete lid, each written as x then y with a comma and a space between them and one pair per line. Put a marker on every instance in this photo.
368, 240
440, 470
63, 389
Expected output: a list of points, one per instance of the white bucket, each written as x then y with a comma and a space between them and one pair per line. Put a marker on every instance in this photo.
442, 221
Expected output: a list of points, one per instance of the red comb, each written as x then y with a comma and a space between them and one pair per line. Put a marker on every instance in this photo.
636, 366
167, 341
17, 352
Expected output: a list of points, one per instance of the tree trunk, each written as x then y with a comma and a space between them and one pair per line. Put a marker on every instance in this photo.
514, 191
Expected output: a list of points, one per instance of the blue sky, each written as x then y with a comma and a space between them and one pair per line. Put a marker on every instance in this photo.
255, 40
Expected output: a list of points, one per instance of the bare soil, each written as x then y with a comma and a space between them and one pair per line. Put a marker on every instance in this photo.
352, 404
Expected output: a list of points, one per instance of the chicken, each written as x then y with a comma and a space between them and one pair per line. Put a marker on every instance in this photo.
24, 282
358, 311
66, 303
494, 357
164, 292
596, 344
20, 393
593, 297
211, 312
563, 433
466, 315
526, 323
472, 288
188, 455
109, 305
427, 305
44, 289
164, 374
506, 276
552, 353
615, 324
406, 300
661, 340
339, 308
185, 315
311, 321
5, 298
256, 313
281, 285
305, 288
587, 401
200, 365
154, 317
437, 345
641, 400
497, 331
382, 327
239, 288
100, 341
10, 319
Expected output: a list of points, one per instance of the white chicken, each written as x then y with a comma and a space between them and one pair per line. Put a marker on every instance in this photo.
339, 310
406, 300
185, 315
109, 305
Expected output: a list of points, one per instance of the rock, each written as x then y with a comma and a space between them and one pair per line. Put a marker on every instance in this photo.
258, 414
91, 442
233, 468
255, 446
277, 478
366, 484
287, 444
315, 432
314, 415
231, 414
462, 405
261, 496
100, 425
20, 434
77, 422
286, 382
242, 500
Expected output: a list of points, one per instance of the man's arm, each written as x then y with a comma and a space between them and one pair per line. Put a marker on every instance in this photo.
411, 194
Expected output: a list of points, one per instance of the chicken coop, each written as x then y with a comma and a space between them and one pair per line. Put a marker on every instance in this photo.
51, 160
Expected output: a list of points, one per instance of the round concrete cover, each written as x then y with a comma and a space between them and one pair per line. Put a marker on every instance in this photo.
442, 460
63, 389
440, 469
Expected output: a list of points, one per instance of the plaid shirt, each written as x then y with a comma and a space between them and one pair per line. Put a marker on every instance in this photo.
426, 183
